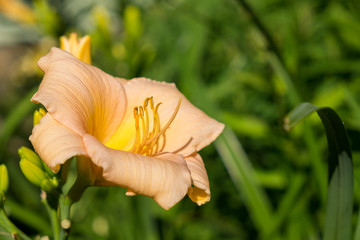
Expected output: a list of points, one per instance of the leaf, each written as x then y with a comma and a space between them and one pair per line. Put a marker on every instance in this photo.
298, 114
340, 181
8, 230
244, 177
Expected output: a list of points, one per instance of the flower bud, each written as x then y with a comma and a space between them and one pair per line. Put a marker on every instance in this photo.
4, 179
32, 172
49, 185
38, 114
30, 155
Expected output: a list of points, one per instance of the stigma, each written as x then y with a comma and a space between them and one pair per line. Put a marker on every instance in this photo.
150, 135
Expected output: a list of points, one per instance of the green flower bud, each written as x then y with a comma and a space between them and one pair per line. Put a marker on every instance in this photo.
49, 185
4, 179
32, 172
30, 155
38, 114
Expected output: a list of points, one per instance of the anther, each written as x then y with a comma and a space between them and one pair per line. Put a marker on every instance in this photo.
145, 142
151, 102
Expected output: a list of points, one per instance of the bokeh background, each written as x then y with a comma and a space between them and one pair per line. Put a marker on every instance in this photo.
247, 64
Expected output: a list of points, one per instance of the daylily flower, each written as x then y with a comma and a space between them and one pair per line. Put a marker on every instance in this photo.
17, 11
139, 134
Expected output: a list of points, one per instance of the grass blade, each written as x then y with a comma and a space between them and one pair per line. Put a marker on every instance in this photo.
243, 176
340, 178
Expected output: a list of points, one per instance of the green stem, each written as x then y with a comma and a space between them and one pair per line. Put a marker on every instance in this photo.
271, 46
65, 223
55, 224
274, 56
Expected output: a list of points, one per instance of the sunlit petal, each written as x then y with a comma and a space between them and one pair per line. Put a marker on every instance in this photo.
200, 191
55, 143
80, 96
166, 177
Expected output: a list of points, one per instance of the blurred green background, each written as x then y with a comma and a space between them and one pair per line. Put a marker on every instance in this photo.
247, 64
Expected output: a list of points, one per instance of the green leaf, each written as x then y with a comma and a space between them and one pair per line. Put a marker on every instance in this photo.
8, 230
244, 177
340, 178
298, 114
340, 191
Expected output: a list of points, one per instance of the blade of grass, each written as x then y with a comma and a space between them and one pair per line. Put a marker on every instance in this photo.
357, 228
289, 201
340, 191
340, 179
243, 176
8, 230
29, 217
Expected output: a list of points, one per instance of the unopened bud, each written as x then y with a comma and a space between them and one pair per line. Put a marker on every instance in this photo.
30, 155
49, 185
32, 172
4, 179
38, 114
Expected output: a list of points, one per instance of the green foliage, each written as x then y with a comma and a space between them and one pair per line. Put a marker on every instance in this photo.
339, 207
246, 64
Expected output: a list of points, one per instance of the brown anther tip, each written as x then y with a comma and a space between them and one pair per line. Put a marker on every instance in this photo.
146, 102
141, 111
136, 111
151, 102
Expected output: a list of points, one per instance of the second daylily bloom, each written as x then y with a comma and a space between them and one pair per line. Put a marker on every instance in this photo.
139, 134
79, 47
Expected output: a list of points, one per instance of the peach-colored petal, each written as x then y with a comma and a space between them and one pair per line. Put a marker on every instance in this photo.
200, 191
130, 192
55, 143
165, 178
122, 80
80, 96
191, 129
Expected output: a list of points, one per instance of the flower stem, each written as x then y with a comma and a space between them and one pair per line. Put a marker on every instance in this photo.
55, 225
65, 223
271, 46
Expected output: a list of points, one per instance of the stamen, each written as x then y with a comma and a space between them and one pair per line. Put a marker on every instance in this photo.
147, 143
136, 146
168, 123
151, 102
156, 126
146, 132
142, 121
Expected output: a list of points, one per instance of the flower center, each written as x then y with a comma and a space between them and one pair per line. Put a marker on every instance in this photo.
148, 130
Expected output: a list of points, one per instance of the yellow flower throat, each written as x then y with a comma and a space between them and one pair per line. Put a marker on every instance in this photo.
147, 141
